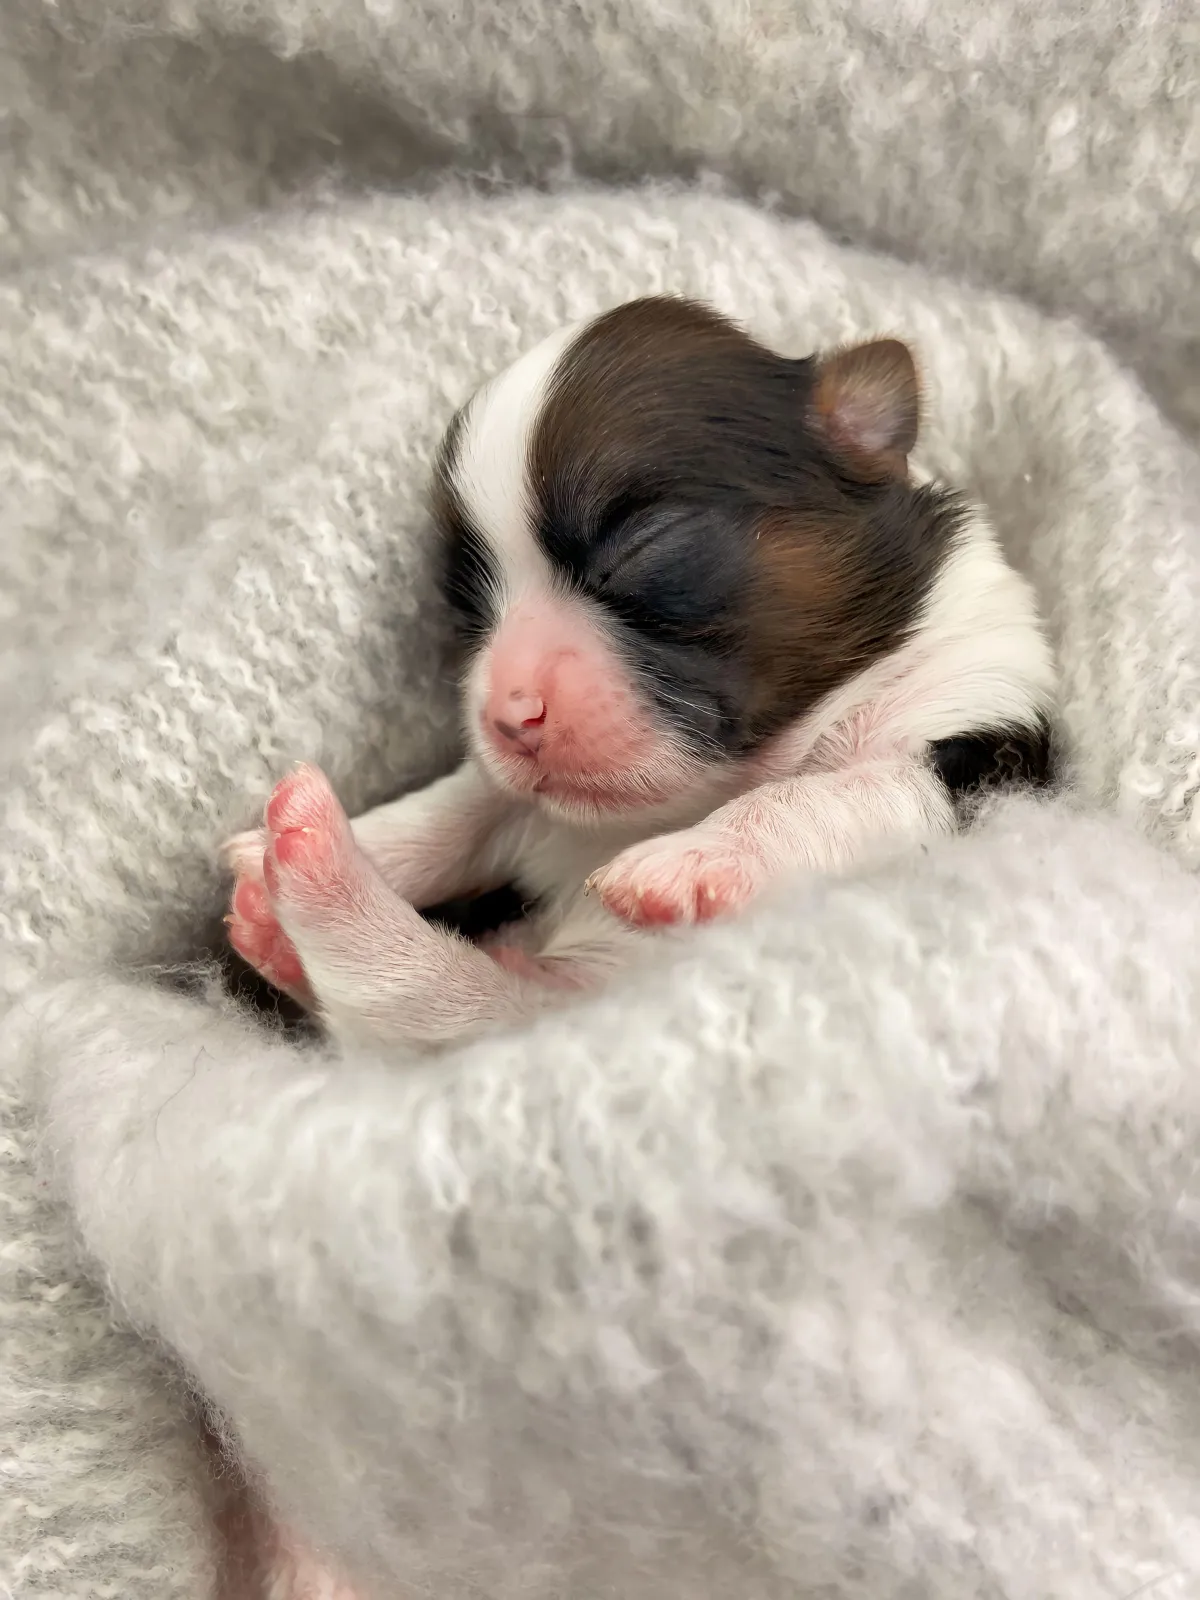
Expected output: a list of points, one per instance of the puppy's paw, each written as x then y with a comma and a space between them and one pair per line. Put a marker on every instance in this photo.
678, 879
311, 865
242, 854
254, 930
255, 934
297, 867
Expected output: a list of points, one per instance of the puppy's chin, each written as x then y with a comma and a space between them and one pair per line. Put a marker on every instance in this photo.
668, 778
580, 801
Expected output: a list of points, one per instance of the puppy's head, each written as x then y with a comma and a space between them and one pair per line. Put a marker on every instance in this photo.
666, 543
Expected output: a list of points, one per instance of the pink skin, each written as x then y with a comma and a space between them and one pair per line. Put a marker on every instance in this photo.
264, 1561
254, 930
553, 713
820, 822
306, 893
302, 823
306, 878
558, 716
294, 1573
255, 934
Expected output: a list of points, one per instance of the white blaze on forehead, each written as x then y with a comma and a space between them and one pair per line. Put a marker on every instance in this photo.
491, 472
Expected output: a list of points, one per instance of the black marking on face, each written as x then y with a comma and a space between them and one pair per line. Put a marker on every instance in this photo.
469, 572
675, 576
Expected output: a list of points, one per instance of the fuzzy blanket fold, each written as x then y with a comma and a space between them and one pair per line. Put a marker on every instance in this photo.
851, 1250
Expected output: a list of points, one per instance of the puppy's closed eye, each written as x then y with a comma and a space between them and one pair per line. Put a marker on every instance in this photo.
677, 567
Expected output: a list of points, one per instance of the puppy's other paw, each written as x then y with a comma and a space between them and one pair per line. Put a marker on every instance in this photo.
312, 866
681, 878
242, 854
255, 934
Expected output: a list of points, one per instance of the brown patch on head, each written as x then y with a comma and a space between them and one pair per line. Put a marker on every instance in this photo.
657, 394
832, 594
744, 520
797, 647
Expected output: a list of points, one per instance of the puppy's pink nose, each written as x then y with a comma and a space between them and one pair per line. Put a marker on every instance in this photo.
524, 716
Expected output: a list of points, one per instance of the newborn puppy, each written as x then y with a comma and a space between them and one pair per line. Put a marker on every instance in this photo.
718, 632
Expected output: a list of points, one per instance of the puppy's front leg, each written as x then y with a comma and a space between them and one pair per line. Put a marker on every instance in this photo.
375, 970
820, 823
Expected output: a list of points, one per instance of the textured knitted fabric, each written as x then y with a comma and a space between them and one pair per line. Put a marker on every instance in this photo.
638, 1287
804, 1264
1042, 146
849, 1250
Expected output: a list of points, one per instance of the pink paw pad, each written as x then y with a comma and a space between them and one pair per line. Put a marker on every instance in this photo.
303, 799
255, 934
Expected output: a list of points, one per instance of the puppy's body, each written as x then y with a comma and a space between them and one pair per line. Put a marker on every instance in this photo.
717, 631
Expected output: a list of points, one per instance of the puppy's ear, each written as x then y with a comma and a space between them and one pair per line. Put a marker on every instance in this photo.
867, 408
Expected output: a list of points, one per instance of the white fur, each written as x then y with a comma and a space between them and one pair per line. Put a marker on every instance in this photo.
491, 471
979, 657
442, 841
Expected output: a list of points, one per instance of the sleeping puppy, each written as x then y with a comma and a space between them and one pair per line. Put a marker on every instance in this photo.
719, 632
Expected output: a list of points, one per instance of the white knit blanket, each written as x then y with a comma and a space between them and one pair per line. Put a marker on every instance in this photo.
850, 1250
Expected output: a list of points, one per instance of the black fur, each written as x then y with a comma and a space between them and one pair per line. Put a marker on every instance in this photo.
468, 575
974, 764
482, 914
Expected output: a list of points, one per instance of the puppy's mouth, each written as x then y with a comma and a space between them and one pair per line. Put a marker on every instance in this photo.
577, 793
559, 776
